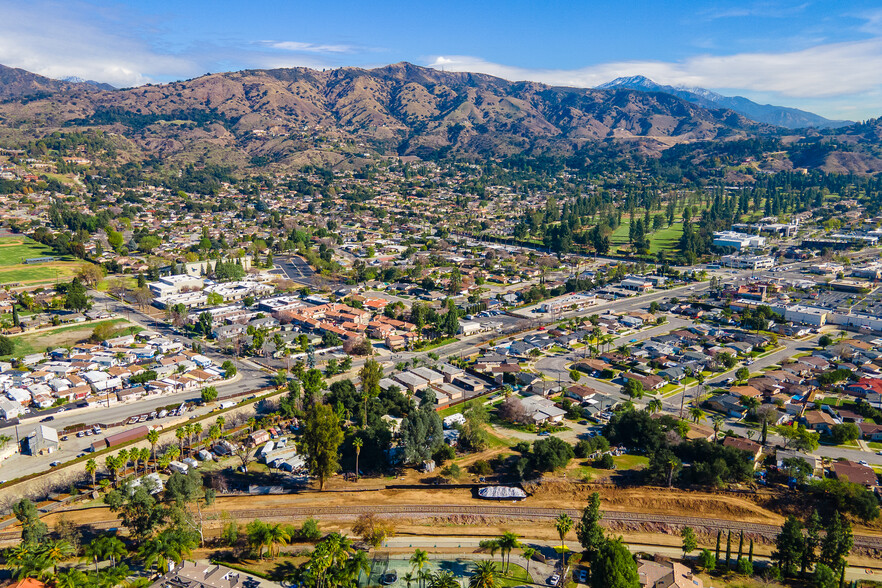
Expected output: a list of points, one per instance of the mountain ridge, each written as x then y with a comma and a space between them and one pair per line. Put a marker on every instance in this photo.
400, 109
780, 116
291, 117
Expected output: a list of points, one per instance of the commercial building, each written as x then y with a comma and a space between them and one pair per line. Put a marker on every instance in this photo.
805, 315
738, 241
754, 262
43, 440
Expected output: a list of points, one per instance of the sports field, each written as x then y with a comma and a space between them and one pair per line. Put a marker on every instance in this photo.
65, 336
15, 250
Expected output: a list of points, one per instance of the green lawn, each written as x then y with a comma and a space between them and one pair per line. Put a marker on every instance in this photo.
62, 337
34, 273
14, 250
446, 412
666, 238
663, 239
622, 462
516, 576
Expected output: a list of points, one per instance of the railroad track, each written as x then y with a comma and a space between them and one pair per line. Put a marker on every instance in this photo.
498, 511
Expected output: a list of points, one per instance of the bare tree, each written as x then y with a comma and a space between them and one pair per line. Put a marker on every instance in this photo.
245, 453
512, 410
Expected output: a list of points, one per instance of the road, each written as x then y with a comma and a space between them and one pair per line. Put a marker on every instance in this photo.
541, 571
495, 510
249, 377
556, 367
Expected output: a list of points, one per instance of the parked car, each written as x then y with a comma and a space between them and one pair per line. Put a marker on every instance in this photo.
54, 464
554, 579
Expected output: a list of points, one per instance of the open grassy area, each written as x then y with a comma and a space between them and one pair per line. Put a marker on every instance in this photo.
104, 284
13, 252
67, 336
665, 239
622, 462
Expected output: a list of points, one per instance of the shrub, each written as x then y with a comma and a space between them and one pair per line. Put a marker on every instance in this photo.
309, 530
482, 468
605, 462
707, 560
744, 567
443, 454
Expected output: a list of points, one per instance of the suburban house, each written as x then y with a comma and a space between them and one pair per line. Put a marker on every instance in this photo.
667, 574
855, 473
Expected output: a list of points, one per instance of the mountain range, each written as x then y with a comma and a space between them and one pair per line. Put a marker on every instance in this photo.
297, 116
779, 116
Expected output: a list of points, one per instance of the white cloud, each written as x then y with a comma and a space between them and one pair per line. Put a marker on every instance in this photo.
830, 70
299, 47
55, 40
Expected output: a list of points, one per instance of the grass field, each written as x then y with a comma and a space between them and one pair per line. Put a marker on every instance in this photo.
62, 337
622, 462
13, 252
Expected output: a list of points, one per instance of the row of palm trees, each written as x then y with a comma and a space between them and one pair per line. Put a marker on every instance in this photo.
145, 457
695, 413
40, 560
335, 563
426, 579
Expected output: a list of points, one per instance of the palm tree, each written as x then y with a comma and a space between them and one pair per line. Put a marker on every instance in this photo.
169, 545
563, 523
507, 543
444, 579
72, 578
484, 576
123, 457
92, 468
408, 579
654, 405
188, 431
275, 535
355, 565
357, 443
251, 423
26, 560
106, 548
491, 545
112, 463
180, 434
220, 422
56, 551
419, 559
528, 553
718, 422
153, 438
197, 431
696, 414
113, 576
145, 457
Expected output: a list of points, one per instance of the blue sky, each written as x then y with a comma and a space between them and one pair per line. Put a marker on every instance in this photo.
823, 56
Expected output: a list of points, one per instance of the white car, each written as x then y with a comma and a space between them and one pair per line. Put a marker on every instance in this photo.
554, 579
863, 463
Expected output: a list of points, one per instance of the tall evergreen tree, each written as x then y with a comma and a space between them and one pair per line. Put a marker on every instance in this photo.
589, 532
